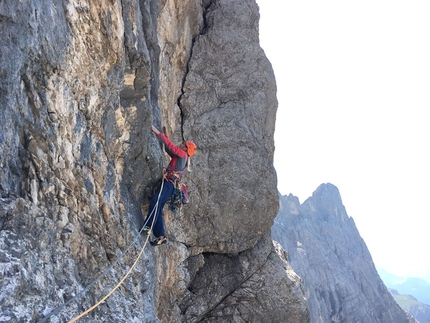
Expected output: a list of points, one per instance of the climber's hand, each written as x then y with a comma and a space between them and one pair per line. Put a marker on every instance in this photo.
155, 130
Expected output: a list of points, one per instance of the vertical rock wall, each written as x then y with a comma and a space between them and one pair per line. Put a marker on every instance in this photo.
229, 107
81, 84
75, 162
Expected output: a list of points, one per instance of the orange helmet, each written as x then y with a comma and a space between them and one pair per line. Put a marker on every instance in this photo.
191, 148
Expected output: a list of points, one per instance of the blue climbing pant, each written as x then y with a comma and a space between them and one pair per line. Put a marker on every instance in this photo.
167, 192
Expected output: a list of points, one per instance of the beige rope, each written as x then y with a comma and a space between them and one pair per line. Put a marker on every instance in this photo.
129, 271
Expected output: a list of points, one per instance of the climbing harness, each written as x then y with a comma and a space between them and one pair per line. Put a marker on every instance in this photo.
172, 176
58, 309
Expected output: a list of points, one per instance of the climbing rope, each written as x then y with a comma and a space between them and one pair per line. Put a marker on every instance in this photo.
119, 284
114, 289
58, 309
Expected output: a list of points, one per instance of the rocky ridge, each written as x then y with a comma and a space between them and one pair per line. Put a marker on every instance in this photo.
81, 83
325, 249
420, 311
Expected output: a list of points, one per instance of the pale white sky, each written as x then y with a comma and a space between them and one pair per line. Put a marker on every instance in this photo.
353, 83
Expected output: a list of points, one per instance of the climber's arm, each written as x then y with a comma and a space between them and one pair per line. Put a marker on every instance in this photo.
170, 147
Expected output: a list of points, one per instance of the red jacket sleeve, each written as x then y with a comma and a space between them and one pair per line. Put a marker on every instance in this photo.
172, 147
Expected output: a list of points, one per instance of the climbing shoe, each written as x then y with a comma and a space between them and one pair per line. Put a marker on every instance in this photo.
146, 230
158, 241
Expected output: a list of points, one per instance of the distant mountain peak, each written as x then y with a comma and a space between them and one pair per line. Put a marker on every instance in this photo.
326, 203
325, 249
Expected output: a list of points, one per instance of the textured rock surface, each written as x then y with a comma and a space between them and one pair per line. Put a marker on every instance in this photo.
238, 288
81, 83
229, 105
325, 249
420, 312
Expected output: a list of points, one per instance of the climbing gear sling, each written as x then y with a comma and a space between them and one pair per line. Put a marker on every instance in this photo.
180, 192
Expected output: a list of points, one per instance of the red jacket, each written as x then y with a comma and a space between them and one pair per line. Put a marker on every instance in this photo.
178, 155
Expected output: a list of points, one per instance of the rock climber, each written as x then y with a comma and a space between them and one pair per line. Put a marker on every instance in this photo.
180, 159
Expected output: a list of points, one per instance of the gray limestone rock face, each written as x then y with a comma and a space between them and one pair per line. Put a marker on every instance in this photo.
420, 312
241, 288
69, 202
325, 249
229, 108
81, 84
